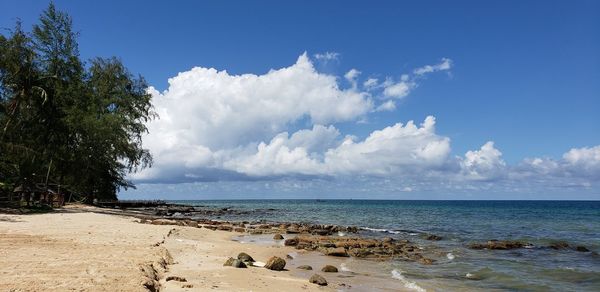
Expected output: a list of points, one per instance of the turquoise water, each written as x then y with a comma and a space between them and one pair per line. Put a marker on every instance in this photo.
461, 223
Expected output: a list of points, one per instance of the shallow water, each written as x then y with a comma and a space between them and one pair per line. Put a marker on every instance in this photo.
460, 223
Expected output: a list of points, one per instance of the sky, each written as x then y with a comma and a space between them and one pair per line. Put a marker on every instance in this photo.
357, 99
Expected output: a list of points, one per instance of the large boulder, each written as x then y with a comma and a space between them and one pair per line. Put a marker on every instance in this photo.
275, 264
329, 269
278, 236
245, 257
291, 241
318, 279
238, 264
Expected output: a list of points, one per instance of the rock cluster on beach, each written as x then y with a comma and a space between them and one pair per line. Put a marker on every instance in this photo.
368, 248
315, 237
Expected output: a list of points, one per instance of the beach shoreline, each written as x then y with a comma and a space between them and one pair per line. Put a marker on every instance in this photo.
83, 248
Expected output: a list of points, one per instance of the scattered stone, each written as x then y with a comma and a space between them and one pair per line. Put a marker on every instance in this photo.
387, 240
318, 279
229, 262
211, 227
433, 237
191, 223
275, 264
291, 241
164, 222
176, 278
289, 257
559, 245
239, 229
336, 252
329, 269
425, 261
582, 248
187, 286
321, 232
278, 236
225, 227
305, 267
245, 257
238, 264
292, 231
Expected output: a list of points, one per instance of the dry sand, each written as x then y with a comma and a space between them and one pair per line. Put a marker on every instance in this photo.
80, 250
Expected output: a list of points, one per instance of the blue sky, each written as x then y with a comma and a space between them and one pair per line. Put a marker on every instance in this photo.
523, 74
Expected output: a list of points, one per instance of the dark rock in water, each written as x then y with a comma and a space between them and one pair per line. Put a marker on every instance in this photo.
329, 269
305, 267
336, 252
289, 257
559, 245
238, 264
433, 237
582, 249
278, 236
275, 264
291, 241
245, 257
499, 244
229, 262
318, 279
175, 278
321, 232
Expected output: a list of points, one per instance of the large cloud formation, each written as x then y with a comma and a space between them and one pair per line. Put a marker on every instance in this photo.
215, 126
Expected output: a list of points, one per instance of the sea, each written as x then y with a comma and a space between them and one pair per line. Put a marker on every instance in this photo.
459, 223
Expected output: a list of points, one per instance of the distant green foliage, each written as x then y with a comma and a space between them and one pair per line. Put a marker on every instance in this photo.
73, 123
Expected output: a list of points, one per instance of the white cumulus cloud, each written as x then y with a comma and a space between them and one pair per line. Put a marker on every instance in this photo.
285, 124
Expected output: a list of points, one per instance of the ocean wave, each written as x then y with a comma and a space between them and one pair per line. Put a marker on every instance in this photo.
408, 284
381, 230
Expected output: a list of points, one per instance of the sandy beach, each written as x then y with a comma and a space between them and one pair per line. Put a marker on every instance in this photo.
77, 249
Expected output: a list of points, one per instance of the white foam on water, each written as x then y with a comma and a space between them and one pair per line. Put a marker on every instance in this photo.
341, 233
374, 229
469, 275
450, 256
381, 230
408, 284
344, 267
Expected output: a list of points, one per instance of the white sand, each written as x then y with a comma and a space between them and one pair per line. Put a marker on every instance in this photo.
83, 251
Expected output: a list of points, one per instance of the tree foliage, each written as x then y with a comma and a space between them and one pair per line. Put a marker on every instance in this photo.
76, 123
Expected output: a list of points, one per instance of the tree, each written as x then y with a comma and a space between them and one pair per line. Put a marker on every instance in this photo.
65, 121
